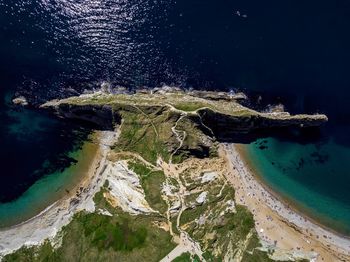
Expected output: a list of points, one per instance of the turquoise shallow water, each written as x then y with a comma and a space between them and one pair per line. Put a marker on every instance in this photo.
42, 158
315, 178
49, 188
293, 52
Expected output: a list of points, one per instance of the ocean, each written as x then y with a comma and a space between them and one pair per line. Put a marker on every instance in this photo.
291, 52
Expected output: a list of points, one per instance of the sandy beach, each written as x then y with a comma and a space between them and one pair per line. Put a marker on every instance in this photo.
49, 222
277, 224
291, 234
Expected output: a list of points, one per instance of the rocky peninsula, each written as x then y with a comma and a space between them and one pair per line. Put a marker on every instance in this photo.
207, 117
168, 185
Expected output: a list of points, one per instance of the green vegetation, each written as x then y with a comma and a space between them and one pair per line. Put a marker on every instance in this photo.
151, 182
187, 257
240, 223
256, 256
44, 252
147, 134
180, 101
95, 237
209, 257
253, 254
105, 234
152, 130
229, 229
196, 143
173, 221
227, 108
184, 257
190, 106
191, 214
214, 228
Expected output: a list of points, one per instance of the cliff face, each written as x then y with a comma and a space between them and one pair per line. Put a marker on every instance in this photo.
224, 125
100, 116
203, 119
153, 169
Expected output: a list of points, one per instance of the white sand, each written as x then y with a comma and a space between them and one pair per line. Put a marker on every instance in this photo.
49, 222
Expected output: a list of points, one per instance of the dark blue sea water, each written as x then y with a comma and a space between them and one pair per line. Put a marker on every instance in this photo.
294, 52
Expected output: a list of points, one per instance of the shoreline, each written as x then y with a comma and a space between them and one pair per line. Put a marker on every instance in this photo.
50, 189
293, 206
50, 221
280, 228
279, 225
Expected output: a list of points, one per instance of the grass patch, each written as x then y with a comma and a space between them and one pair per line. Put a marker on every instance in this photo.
210, 257
184, 257
256, 256
147, 131
189, 106
173, 225
105, 233
33, 254
192, 214
219, 230
187, 257
148, 135
95, 237
240, 223
151, 182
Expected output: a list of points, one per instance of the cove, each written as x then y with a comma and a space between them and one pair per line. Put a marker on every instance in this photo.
313, 178
49, 188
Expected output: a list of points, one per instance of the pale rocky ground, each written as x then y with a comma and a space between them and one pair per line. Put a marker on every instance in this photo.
49, 222
125, 191
188, 186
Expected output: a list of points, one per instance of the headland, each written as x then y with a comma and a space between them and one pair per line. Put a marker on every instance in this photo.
169, 183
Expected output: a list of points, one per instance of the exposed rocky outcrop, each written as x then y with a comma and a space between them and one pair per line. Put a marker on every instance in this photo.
101, 116
216, 118
224, 125
21, 100
217, 96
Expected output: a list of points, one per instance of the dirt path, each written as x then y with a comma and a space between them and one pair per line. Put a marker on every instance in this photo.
154, 127
134, 155
178, 137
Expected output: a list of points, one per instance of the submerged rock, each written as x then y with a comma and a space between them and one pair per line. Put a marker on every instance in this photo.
21, 100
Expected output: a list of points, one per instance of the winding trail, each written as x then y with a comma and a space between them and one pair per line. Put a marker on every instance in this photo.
208, 128
143, 113
178, 137
186, 243
137, 156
